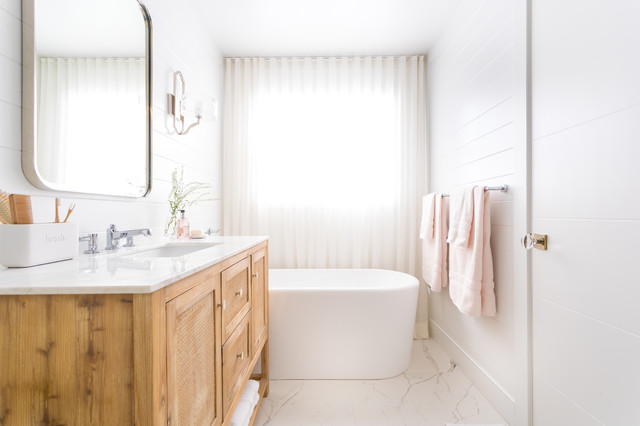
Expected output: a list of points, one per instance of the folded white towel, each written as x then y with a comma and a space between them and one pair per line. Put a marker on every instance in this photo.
253, 385
242, 414
248, 400
250, 397
471, 284
250, 393
460, 216
434, 245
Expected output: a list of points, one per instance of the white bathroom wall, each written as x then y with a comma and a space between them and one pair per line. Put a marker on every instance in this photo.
180, 42
586, 186
474, 126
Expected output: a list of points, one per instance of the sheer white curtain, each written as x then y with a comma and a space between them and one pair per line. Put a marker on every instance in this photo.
101, 100
326, 156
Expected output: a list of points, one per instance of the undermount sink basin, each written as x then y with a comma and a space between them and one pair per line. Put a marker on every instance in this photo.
174, 250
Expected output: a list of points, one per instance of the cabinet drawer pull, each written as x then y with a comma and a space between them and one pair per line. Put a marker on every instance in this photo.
239, 293
240, 355
255, 275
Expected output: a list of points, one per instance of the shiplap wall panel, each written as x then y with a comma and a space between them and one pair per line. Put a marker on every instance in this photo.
10, 70
10, 29
495, 118
558, 412
588, 361
586, 63
495, 142
10, 114
472, 95
586, 115
486, 168
180, 42
599, 164
581, 281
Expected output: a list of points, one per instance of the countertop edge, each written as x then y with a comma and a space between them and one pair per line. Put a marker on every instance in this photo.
120, 284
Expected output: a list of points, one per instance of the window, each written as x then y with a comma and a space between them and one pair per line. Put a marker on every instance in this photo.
326, 156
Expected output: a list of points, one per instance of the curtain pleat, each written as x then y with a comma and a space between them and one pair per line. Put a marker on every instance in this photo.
96, 100
326, 156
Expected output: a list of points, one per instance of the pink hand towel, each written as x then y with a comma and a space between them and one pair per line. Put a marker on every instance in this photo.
471, 265
460, 216
433, 231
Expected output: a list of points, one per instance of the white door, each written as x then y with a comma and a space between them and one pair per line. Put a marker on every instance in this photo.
586, 197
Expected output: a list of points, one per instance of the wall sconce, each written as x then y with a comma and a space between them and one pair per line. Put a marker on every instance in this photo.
189, 105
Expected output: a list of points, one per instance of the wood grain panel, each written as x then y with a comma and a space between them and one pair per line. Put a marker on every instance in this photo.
236, 302
259, 290
149, 359
62, 347
235, 364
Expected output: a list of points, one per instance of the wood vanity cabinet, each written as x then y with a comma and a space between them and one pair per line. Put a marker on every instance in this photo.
178, 356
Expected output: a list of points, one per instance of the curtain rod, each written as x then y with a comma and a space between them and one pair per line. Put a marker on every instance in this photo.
501, 188
326, 58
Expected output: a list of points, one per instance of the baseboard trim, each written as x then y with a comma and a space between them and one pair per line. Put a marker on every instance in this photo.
501, 400
421, 331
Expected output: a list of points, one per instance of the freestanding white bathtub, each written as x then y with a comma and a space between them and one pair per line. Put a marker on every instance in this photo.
340, 323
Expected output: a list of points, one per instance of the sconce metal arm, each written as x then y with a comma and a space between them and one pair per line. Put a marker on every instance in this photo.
174, 108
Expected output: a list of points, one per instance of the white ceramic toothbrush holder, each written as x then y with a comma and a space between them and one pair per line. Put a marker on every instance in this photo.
35, 244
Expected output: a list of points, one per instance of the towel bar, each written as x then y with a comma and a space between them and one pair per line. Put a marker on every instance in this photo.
501, 188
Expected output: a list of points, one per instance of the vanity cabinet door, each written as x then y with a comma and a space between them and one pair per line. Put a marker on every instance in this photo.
194, 373
236, 296
259, 296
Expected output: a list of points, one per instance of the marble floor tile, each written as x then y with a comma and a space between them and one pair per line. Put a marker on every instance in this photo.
431, 392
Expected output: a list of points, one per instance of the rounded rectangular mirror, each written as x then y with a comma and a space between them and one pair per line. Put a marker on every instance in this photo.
86, 122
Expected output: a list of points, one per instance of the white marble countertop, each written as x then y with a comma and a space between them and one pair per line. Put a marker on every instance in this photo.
125, 271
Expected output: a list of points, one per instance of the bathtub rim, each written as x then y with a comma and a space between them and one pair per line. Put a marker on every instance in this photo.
403, 281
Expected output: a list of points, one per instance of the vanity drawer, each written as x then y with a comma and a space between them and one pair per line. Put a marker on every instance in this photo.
236, 295
235, 363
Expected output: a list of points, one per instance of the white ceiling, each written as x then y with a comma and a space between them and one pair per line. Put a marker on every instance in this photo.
324, 27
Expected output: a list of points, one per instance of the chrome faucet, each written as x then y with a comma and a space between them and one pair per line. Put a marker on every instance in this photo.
114, 236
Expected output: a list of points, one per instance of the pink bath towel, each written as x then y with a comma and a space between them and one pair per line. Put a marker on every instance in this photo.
460, 216
471, 265
433, 232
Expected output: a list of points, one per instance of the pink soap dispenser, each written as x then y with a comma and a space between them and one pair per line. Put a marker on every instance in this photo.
184, 230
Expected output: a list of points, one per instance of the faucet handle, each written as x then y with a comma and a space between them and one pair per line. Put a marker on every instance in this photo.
129, 242
93, 243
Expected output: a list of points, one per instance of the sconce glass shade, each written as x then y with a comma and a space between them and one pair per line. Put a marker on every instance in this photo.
198, 105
